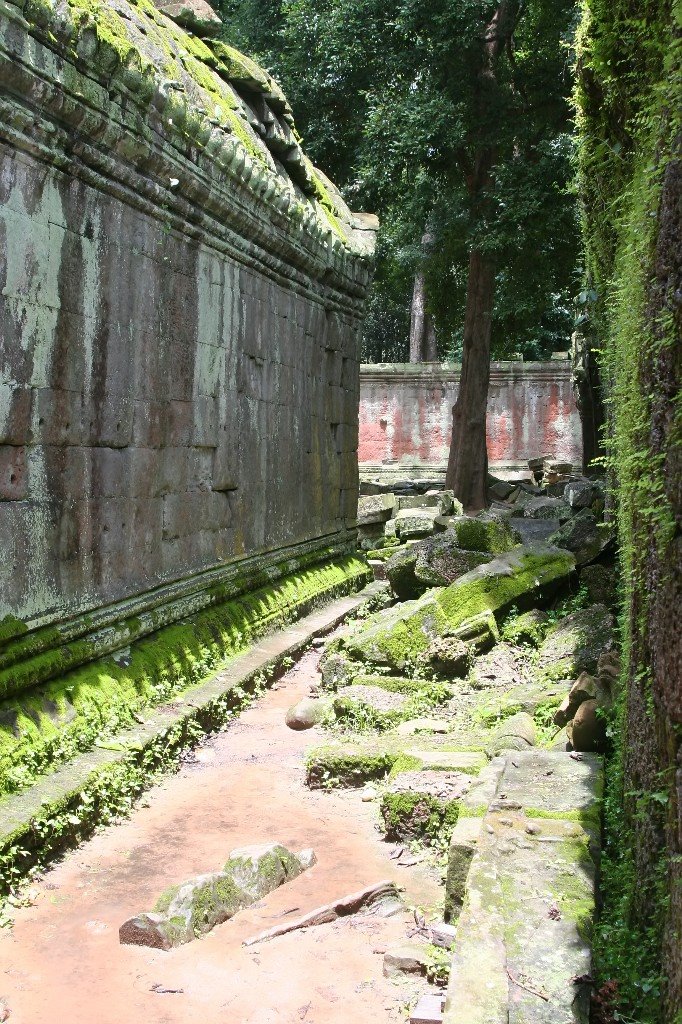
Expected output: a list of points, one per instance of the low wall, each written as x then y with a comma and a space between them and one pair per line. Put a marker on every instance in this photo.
406, 417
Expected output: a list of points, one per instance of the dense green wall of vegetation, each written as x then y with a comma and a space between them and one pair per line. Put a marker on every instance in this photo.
629, 96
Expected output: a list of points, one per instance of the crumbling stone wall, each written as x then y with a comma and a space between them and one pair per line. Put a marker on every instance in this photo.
406, 417
181, 294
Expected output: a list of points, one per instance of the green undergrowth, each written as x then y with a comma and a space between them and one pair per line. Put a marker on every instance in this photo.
89, 705
629, 99
352, 714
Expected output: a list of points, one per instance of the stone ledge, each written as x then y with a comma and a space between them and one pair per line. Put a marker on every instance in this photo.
37, 824
523, 936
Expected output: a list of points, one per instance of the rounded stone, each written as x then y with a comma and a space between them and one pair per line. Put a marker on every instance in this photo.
308, 712
587, 732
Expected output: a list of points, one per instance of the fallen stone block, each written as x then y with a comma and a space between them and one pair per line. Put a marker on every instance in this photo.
375, 508
398, 636
408, 958
576, 643
587, 731
185, 912
515, 733
429, 1009
484, 533
196, 16
415, 522
584, 536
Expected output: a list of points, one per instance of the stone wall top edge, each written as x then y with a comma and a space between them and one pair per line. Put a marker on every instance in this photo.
48, 66
428, 372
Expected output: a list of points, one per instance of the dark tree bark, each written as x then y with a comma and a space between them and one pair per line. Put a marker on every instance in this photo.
468, 460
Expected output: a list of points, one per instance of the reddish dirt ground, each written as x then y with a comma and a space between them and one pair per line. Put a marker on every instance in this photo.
62, 961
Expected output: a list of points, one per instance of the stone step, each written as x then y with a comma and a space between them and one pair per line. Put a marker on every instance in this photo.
523, 934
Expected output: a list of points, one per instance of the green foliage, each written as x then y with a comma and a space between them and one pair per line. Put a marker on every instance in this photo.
390, 107
629, 98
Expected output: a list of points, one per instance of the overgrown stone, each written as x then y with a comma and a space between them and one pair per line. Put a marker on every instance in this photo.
547, 508
527, 628
483, 533
499, 668
449, 657
601, 583
575, 644
423, 805
187, 911
584, 536
399, 636
436, 562
336, 670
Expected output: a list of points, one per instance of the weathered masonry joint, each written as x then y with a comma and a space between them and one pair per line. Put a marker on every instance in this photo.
181, 298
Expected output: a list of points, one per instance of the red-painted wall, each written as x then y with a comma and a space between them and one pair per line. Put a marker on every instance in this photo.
406, 415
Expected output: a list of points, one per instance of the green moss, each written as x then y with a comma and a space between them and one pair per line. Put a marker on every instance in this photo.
410, 816
487, 535
165, 899
589, 818
491, 593
10, 628
66, 716
329, 768
404, 763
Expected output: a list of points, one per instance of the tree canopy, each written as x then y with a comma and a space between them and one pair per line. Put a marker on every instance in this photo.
385, 101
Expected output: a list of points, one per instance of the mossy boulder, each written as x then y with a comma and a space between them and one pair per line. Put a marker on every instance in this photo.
400, 636
601, 583
490, 534
528, 628
576, 643
584, 536
258, 870
435, 562
345, 768
187, 911
423, 805
449, 657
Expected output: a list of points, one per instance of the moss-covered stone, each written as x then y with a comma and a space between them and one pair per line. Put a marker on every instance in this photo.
192, 909
575, 644
416, 815
528, 628
57, 720
484, 533
327, 768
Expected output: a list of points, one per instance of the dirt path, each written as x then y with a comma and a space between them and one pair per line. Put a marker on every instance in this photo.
62, 962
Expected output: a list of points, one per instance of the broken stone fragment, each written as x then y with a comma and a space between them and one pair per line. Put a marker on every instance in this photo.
449, 657
337, 670
375, 508
576, 643
307, 713
516, 733
415, 522
582, 493
196, 16
186, 911
528, 628
587, 730
584, 536
408, 958
584, 688
442, 935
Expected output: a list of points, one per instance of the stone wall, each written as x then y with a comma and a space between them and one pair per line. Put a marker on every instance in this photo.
406, 417
181, 297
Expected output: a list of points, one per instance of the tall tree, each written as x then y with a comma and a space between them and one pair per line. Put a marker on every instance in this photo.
452, 113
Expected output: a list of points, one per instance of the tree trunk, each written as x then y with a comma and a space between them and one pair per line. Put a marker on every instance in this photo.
468, 462
417, 319
422, 334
